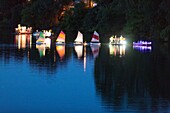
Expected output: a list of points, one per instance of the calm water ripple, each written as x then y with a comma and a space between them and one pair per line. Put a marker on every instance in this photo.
69, 79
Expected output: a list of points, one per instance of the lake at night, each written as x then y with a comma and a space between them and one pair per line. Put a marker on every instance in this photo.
83, 79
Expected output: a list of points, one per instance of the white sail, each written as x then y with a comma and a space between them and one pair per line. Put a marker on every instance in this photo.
47, 42
79, 38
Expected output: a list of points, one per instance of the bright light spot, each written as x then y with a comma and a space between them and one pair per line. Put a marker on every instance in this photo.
95, 4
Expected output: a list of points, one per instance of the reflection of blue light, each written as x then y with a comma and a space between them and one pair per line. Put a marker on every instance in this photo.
143, 48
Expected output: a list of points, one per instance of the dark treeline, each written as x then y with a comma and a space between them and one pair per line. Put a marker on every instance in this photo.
134, 19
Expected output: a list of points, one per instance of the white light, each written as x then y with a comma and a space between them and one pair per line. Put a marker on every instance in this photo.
122, 42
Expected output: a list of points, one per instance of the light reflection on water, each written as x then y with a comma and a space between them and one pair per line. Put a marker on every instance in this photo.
143, 48
23, 41
83, 78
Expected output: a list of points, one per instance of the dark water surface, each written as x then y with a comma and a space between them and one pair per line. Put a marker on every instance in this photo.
87, 79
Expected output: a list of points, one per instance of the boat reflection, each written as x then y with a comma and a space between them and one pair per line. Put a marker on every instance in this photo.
117, 50
95, 50
23, 41
61, 51
143, 48
79, 50
41, 49
134, 83
85, 58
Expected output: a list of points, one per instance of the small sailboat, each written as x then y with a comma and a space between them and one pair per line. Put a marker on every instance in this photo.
79, 50
41, 39
79, 39
61, 39
95, 39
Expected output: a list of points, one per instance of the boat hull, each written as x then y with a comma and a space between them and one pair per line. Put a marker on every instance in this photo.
92, 43
39, 43
78, 43
57, 43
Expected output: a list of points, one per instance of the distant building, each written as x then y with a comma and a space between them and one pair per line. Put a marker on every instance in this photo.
89, 3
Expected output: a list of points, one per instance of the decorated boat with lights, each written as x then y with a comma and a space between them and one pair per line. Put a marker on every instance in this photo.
47, 33
36, 33
23, 30
117, 41
142, 43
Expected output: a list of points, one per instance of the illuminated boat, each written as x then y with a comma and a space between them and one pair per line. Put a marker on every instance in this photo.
47, 33
95, 39
36, 34
61, 39
117, 41
142, 43
23, 30
41, 39
79, 39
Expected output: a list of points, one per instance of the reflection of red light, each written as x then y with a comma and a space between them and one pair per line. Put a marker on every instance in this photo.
22, 41
95, 50
114, 51
28, 39
117, 50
